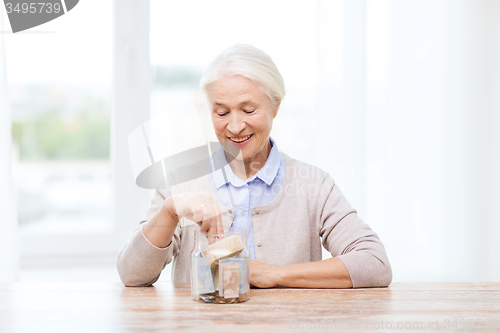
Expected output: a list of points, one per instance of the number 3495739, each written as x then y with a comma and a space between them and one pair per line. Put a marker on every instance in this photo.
32, 8
471, 324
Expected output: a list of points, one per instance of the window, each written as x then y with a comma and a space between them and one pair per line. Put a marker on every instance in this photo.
59, 82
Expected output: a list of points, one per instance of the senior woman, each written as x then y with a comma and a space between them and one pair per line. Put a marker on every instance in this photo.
288, 207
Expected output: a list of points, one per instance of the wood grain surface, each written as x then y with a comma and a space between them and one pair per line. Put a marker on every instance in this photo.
449, 307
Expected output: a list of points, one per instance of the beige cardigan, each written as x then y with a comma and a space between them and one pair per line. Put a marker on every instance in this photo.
308, 210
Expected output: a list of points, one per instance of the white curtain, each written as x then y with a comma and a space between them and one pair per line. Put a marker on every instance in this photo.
410, 128
8, 219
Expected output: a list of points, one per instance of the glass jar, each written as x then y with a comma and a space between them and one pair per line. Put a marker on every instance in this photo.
220, 267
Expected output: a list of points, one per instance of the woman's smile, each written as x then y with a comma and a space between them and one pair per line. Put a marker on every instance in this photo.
241, 140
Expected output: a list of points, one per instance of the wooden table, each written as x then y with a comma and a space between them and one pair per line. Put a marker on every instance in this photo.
91, 308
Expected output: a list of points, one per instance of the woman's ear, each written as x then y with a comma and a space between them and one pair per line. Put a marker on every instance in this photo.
277, 104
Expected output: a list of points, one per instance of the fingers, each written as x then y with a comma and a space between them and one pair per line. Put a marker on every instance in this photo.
263, 275
205, 211
202, 208
214, 222
216, 226
204, 217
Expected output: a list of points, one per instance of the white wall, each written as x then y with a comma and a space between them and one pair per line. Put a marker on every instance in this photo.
432, 122
340, 113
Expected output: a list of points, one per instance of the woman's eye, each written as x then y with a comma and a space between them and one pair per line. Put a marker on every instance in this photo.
249, 110
221, 113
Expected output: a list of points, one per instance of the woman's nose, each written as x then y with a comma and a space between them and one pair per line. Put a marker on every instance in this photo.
236, 124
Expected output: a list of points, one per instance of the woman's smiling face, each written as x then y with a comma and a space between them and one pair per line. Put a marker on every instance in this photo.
242, 115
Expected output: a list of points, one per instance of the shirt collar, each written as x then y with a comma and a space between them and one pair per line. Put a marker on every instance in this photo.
267, 173
270, 169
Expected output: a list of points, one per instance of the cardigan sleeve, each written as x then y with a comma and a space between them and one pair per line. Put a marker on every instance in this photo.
140, 262
347, 237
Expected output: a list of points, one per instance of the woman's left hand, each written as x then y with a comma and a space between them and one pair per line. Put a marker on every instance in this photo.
263, 275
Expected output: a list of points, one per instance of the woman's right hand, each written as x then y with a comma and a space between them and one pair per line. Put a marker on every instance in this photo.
202, 208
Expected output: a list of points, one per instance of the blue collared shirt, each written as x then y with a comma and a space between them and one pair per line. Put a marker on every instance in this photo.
260, 189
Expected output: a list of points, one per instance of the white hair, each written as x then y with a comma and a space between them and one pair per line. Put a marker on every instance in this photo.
250, 62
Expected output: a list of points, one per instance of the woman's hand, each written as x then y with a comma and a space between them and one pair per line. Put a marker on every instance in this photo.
328, 273
201, 208
263, 275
